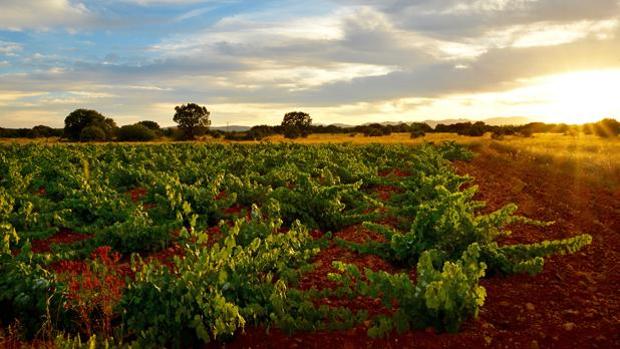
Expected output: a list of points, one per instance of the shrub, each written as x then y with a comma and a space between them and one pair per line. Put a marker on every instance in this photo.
421, 126
292, 132
417, 134
607, 128
497, 135
80, 119
151, 125
92, 133
138, 132
373, 132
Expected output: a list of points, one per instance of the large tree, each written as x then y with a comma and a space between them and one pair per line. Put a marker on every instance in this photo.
296, 123
192, 119
79, 119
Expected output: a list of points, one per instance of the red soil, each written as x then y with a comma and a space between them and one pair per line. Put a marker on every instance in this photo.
166, 256
42, 191
234, 209
64, 236
222, 194
385, 192
394, 172
573, 303
137, 194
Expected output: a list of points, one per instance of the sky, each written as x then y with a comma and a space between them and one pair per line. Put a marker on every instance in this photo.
342, 61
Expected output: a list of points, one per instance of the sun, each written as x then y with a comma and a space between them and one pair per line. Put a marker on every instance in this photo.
578, 97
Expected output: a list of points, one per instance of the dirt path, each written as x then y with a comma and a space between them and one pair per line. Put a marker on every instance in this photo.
573, 303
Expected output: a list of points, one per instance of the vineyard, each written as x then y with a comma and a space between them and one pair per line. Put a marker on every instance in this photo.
182, 245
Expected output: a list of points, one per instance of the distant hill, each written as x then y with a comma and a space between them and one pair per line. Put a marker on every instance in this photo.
499, 121
233, 128
513, 120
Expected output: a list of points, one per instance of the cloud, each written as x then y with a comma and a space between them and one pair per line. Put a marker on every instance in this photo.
44, 14
9, 48
348, 59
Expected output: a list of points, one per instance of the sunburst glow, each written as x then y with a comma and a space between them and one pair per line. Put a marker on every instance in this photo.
577, 97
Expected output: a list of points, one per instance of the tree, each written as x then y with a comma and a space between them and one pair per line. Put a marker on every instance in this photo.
421, 126
152, 125
42, 131
296, 124
80, 119
137, 132
192, 119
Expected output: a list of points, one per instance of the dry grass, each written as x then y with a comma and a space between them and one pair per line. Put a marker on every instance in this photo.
585, 156
588, 157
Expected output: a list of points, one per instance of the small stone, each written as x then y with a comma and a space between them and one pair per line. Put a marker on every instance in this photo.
569, 326
530, 306
571, 312
504, 304
487, 325
601, 338
488, 340
534, 345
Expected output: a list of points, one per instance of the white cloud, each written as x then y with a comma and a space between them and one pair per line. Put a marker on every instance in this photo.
549, 34
10, 48
365, 60
43, 14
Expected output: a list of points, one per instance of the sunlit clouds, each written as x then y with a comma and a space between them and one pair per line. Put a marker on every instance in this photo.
342, 61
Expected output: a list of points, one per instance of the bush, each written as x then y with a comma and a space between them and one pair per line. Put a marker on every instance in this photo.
138, 132
80, 119
417, 134
421, 126
42, 131
151, 125
92, 133
497, 135
607, 128
292, 132
373, 132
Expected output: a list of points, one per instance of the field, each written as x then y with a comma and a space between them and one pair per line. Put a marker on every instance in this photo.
394, 244
586, 156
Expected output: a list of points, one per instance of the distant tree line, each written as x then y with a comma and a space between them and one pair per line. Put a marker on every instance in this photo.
86, 125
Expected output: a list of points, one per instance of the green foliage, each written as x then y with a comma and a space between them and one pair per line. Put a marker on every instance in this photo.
92, 133
450, 150
528, 258
88, 125
258, 201
442, 297
27, 291
323, 204
137, 132
214, 291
